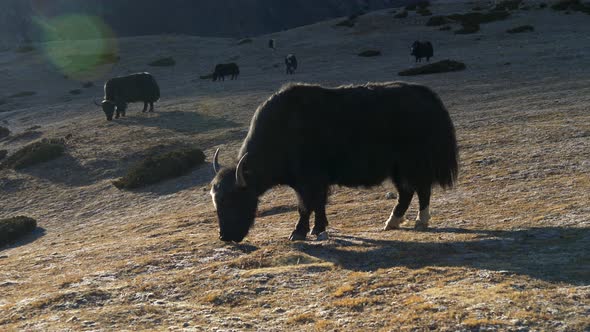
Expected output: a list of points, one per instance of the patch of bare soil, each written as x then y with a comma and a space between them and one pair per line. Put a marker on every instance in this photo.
508, 248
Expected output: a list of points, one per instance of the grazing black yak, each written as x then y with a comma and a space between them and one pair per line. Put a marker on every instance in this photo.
119, 91
291, 64
310, 137
223, 69
422, 50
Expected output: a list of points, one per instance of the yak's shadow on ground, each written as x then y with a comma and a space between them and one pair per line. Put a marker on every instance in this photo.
549, 253
38, 233
179, 121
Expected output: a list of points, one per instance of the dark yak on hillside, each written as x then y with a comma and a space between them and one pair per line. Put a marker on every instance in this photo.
291, 64
119, 91
224, 69
310, 137
422, 50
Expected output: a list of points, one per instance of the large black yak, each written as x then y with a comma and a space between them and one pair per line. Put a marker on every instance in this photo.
119, 91
223, 69
291, 63
422, 50
310, 137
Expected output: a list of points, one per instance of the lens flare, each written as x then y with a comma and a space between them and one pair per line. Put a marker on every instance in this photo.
82, 47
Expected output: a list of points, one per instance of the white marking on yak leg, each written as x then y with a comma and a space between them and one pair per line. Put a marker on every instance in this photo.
393, 222
422, 219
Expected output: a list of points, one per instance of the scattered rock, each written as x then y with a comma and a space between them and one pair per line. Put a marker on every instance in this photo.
390, 195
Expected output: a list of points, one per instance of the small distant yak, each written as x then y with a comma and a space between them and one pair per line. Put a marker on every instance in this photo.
422, 50
310, 137
224, 69
119, 91
291, 64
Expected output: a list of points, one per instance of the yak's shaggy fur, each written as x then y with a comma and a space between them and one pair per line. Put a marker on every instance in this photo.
310, 137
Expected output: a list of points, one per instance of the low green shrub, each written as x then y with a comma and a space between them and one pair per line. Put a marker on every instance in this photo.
445, 28
479, 18
35, 153
163, 62
12, 229
3, 154
370, 53
160, 167
206, 77
434, 68
424, 12
574, 5
87, 85
520, 29
76, 91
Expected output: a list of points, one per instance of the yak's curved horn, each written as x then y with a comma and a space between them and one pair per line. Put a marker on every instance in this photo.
96, 103
240, 179
216, 166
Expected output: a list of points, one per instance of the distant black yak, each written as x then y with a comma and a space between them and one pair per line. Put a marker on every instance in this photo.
291, 64
422, 50
311, 137
223, 69
119, 91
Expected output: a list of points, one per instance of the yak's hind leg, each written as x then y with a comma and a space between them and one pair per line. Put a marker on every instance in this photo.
151, 106
397, 215
424, 214
321, 220
144, 106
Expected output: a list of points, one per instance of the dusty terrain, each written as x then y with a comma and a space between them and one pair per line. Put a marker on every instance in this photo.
509, 247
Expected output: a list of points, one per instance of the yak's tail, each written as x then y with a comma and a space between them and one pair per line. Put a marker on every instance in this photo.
443, 147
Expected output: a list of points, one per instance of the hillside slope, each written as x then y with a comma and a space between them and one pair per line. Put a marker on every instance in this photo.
508, 248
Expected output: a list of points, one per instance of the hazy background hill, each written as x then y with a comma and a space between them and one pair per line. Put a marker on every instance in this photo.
20, 19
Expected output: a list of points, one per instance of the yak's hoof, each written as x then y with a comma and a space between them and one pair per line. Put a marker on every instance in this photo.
323, 236
393, 223
317, 231
421, 226
297, 236
143, 111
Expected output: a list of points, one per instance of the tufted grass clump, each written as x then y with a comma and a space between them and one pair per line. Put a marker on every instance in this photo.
574, 5
22, 94
160, 167
467, 29
12, 229
26, 48
34, 153
4, 132
163, 62
245, 41
370, 53
434, 68
508, 5
437, 21
402, 14
521, 29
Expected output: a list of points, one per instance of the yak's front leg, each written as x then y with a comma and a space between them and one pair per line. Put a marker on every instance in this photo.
321, 220
304, 208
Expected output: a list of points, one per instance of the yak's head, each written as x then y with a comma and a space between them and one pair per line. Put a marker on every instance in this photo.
414, 48
234, 200
108, 108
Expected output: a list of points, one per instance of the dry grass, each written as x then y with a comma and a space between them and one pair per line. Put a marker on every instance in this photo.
507, 249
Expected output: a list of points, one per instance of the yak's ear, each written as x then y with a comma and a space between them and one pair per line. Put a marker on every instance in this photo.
216, 166
240, 178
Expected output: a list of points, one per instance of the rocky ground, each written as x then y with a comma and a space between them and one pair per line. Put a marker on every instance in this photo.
508, 248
